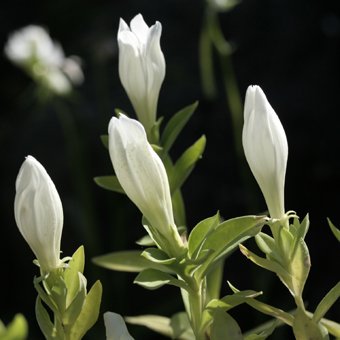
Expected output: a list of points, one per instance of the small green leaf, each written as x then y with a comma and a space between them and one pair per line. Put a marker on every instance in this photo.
186, 163
298, 267
157, 256
335, 230
272, 311
181, 328
199, 233
128, 261
71, 277
44, 321
74, 308
262, 262
228, 235
175, 126
157, 323
326, 303
301, 228
109, 183
154, 279
89, 313
224, 327
226, 303
16, 330
263, 331
146, 241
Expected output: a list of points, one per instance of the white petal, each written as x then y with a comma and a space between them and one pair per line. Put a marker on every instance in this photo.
38, 212
115, 327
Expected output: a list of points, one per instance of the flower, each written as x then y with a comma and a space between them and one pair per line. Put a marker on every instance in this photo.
115, 327
143, 177
141, 66
38, 213
266, 149
32, 49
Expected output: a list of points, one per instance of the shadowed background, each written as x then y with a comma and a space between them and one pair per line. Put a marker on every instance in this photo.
289, 48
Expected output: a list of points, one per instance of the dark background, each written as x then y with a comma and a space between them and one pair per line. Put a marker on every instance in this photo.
289, 48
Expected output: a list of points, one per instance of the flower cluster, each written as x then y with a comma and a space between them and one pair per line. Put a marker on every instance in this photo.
32, 49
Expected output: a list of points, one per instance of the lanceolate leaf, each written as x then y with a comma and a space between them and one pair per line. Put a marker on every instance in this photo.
224, 327
228, 235
43, 319
89, 313
109, 183
326, 303
186, 163
157, 323
153, 279
200, 231
175, 126
335, 230
128, 261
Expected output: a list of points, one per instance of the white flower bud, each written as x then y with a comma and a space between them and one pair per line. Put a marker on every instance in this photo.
266, 149
115, 327
39, 213
141, 66
143, 177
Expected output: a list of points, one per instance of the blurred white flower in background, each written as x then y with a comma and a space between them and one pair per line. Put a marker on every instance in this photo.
32, 49
223, 5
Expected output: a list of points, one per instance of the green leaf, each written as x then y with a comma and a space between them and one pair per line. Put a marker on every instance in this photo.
71, 277
146, 241
16, 330
154, 279
335, 230
228, 235
305, 328
157, 323
272, 311
43, 319
181, 328
262, 262
263, 331
298, 268
157, 256
301, 228
226, 303
109, 183
105, 140
186, 163
128, 261
326, 303
89, 313
74, 308
175, 126
199, 233
224, 327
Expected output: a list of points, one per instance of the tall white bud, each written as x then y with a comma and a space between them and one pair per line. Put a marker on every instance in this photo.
39, 213
266, 149
143, 177
141, 66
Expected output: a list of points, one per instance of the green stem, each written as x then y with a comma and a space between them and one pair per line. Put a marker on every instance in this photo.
197, 298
